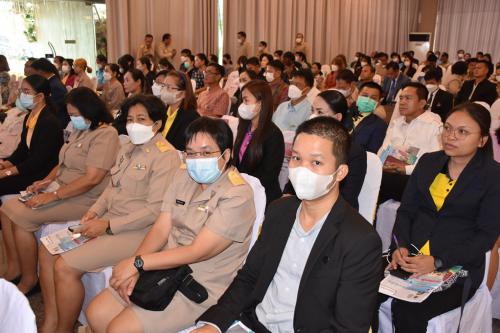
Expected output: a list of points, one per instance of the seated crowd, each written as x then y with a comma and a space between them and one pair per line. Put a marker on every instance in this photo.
159, 167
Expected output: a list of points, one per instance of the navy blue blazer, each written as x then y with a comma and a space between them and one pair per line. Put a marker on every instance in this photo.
468, 223
370, 133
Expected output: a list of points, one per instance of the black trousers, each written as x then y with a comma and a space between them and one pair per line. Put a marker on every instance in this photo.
413, 317
392, 186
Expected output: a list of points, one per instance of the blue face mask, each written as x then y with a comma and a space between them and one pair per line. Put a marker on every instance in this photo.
26, 101
79, 123
19, 106
204, 170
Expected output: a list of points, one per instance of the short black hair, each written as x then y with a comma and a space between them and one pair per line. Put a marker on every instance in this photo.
346, 75
186, 51
331, 129
44, 65
148, 36
422, 91
165, 63
146, 62
276, 64
372, 69
253, 61
488, 64
459, 68
214, 58
279, 52
392, 65
153, 105
288, 55
102, 58
432, 57
217, 129
263, 43
251, 74
242, 33
372, 85
89, 105
203, 57
306, 74
219, 68
302, 55
166, 36
126, 62
433, 74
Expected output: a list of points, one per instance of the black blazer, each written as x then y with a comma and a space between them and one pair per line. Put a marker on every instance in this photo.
442, 104
338, 288
177, 133
353, 182
42, 156
486, 91
268, 170
386, 86
370, 133
467, 225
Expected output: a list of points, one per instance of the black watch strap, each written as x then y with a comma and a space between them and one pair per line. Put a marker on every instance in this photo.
438, 263
139, 264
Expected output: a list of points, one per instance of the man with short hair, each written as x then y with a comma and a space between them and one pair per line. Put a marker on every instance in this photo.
439, 101
253, 64
316, 265
381, 61
278, 55
393, 81
366, 75
262, 48
146, 48
344, 84
279, 88
408, 137
369, 131
244, 47
214, 101
479, 89
164, 49
290, 114
301, 45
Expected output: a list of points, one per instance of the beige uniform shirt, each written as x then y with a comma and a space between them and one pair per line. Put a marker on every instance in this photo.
139, 178
163, 51
113, 95
226, 208
304, 48
143, 50
97, 148
245, 49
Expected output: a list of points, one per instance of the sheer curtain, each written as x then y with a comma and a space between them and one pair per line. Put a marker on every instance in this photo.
192, 23
330, 27
469, 25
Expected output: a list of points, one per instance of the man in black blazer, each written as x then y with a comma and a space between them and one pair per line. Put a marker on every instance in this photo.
479, 89
316, 265
394, 80
438, 100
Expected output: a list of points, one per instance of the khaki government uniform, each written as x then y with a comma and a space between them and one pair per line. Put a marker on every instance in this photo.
131, 202
226, 208
97, 149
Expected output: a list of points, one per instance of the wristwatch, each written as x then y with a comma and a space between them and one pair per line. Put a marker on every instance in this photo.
108, 229
139, 264
438, 263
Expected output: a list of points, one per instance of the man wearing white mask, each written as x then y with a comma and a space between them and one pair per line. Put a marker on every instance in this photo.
316, 265
289, 115
301, 45
279, 88
344, 84
439, 101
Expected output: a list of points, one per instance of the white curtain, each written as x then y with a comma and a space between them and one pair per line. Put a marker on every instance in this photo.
469, 25
330, 27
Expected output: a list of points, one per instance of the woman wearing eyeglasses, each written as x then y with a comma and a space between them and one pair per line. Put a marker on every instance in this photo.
120, 218
206, 221
449, 214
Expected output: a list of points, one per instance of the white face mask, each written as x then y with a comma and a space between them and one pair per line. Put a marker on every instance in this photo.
169, 97
364, 63
313, 115
107, 76
309, 185
356, 58
335, 68
139, 134
395, 60
294, 92
156, 89
247, 111
269, 77
65, 69
431, 88
460, 56
298, 40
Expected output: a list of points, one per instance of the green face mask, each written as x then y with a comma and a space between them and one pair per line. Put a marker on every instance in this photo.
365, 104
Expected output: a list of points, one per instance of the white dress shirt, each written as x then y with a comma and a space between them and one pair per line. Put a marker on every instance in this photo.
423, 132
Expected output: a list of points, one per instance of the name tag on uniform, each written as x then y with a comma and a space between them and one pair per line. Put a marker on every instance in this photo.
203, 208
179, 202
140, 166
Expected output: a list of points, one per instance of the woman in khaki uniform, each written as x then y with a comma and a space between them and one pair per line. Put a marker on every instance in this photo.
75, 183
206, 222
120, 218
112, 91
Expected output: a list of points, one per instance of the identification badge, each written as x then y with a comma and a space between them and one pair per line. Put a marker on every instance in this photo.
203, 208
140, 166
179, 202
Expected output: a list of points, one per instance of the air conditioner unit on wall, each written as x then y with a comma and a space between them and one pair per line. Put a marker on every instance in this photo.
420, 43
